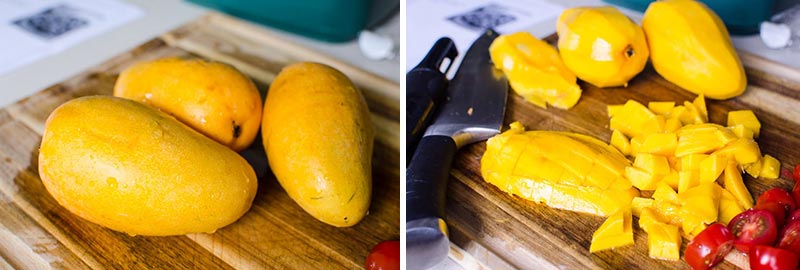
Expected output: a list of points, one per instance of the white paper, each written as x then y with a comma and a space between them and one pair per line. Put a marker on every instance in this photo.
33, 29
428, 20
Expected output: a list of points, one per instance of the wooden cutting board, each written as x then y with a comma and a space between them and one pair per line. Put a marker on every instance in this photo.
37, 233
504, 231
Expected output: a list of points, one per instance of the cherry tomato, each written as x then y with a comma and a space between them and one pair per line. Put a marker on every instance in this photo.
753, 227
796, 173
709, 247
796, 192
780, 196
778, 212
384, 256
789, 238
794, 216
770, 258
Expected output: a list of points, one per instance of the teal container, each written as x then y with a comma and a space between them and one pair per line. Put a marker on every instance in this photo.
741, 17
328, 20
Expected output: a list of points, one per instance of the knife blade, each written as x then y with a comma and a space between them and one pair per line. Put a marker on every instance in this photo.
473, 111
426, 87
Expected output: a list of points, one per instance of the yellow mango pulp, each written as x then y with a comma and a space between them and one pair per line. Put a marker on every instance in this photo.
533, 165
535, 70
735, 185
661, 107
616, 231
690, 47
771, 167
621, 142
664, 241
745, 118
601, 45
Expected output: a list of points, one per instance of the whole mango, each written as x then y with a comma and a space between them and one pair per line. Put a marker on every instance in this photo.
690, 47
213, 98
601, 45
131, 168
318, 137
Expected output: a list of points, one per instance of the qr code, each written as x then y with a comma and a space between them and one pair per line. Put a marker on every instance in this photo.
489, 16
52, 22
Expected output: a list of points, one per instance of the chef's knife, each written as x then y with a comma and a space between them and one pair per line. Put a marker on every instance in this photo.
425, 91
473, 112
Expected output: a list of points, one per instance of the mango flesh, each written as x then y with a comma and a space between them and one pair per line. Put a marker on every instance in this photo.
690, 47
213, 98
535, 70
318, 137
128, 167
601, 45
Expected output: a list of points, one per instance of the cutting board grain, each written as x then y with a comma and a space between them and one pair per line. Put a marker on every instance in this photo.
37, 233
528, 235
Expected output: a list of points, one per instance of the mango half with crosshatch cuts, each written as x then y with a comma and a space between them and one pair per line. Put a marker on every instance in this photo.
535, 70
690, 47
601, 45
563, 170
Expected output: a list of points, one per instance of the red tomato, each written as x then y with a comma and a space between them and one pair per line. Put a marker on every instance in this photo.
796, 192
796, 173
794, 216
709, 247
778, 212
770, 258
753, 227
780, 196
384, 256
789, 238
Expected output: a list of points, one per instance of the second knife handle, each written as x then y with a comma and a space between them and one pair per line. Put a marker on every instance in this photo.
427, 175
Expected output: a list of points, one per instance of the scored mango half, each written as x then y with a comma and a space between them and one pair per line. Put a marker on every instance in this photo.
601, 45
535, 70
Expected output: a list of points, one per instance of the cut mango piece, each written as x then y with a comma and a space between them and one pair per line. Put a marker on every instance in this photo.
771, 167
711, 168
687, 180
746, 118
661, 107
664, 241
614, 110
621, 142
654, 164
692, 162
742, 132
672, 125
702, 138
753, 169
672, 179
728, 207
609, 236
640, 178
735, 185
669, 212
658, 143
700, 104
701, 201
665, 193
743, 150
632, 120
638, 204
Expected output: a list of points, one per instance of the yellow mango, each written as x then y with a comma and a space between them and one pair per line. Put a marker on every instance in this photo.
632, 119
742, 132
735, 185
745, 118
690, 47
609, 236
753, 169
665, 193
729, 206
672, 125
744, 151
653, 164
318, 137
639, 204
589, 178
213, 98
640, 178
131, 168
621, 142
664, 241
702, 138
711, 168
535, 70
669, 212
614, 110
771, 167
692, 115
700, 105
701, 201
648, 218
672, 179
692, 162
688, 179
661, 107
601, 45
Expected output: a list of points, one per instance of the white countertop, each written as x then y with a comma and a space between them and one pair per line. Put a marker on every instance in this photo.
160, 17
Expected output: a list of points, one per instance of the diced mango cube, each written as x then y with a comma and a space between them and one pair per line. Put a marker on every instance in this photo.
664, 192
771, 167
711, 168
692, 162
700, 104
640, 178
614, 110
687, 180
735, 185
654, 164
654, 125
664, 241
753, 169
640, 203
621, 142
691, 115
702, 202
669, 212
743, 150
672, 124
742, 132
661, 107
636, 144
746, 118
631, 120
616, 231
728, 209
672, 179
702, 138
659, 143
647, 218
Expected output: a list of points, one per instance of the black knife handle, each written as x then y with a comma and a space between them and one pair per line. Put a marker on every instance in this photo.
426, 177
426, 88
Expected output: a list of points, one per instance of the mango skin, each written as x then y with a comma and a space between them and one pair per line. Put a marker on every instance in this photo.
128, 167
213, 98
601, 45
318, 137
690, 47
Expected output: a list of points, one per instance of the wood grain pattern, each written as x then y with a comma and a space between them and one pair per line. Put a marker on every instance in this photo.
37, 233
528, 235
